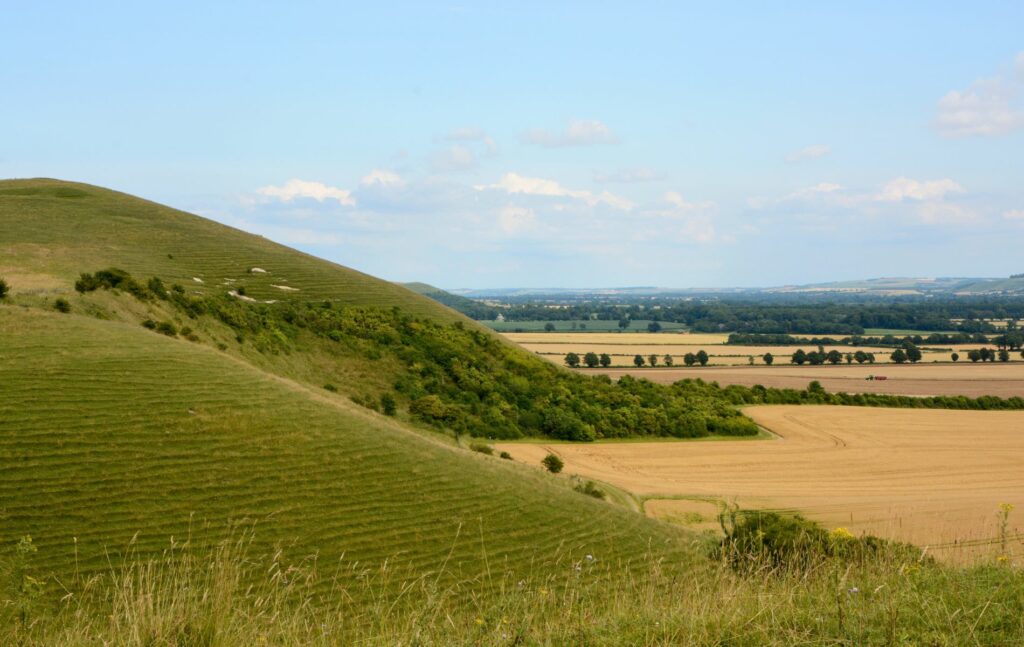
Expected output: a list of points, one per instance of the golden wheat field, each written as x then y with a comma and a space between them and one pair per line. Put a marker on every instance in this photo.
936, 478
622, 347
972, 380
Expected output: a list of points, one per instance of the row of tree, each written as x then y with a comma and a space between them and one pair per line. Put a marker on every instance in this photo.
604, 360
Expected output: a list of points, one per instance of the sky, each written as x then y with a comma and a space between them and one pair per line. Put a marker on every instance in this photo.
547, 144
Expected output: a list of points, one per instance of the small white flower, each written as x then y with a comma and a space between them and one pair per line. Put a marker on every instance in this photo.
853, 590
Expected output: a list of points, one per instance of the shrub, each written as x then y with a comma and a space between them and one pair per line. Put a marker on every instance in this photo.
482, 448
733, 426
156, 286
755, 539
62, 305
590, 489
388, 405
505, 455
150, 324
330, 387
5, 289
167, 328
553, 463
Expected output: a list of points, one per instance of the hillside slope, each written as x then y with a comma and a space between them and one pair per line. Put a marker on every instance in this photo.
113, 436
51, 231
109, 432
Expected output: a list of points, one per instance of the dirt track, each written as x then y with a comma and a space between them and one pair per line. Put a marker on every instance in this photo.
1004, 380
934, 478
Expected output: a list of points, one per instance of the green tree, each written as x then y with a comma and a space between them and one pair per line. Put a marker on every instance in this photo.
553, 463
623, 323
654, 326
605, 359
549, 327
955, 357
974, 354
638, 360
834, 357
652, 359
799, 357
591, 360
849, 358
860, 357
702, 357
1004, 355
4, 289
899, 356
768, 358
871, 358
689, 359
668, 359
572, 360
913, 352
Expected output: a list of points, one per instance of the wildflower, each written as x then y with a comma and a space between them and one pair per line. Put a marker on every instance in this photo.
590, 558
1002, 559
1006, 508
543, 591
480, 622
840, 534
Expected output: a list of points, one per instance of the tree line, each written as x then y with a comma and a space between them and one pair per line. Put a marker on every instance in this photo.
765, 314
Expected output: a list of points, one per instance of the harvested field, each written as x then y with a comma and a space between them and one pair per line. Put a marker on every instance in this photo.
932, 477
973, 380
622, 347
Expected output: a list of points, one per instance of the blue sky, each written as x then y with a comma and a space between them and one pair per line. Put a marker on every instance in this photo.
547, 144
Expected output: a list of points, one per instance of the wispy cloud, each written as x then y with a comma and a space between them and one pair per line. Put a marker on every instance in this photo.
578, 132
473, 134
903, 188
457, 157
808, 153
513, 183
988, 107
380, 177
296, 189
1014, 214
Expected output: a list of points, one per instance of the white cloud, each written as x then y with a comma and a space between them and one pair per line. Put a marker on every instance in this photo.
989, 106
381, 177
514, 183
454, 158
318, 191
516, 220
629, 176
907, 189
579, 132
808, 153
1014, 214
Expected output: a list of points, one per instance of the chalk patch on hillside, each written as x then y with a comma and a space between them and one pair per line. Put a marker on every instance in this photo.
284, 287
257, 270
235, 294
197, 279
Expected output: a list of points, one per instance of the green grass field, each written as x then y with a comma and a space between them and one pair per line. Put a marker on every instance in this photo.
116, 433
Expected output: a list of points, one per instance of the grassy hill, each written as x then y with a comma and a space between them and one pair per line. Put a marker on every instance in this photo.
54, 230
109, 431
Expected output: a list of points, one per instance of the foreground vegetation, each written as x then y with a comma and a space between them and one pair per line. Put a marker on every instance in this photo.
771, 581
